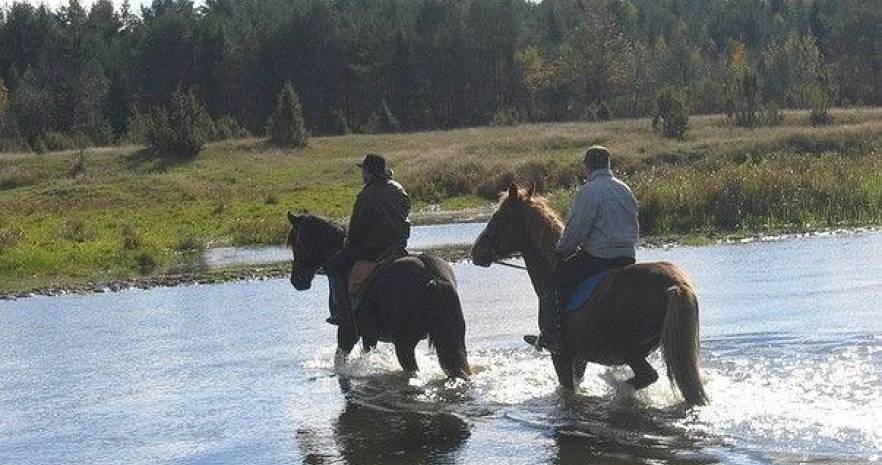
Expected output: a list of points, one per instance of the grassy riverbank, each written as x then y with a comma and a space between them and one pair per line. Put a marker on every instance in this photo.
119, 213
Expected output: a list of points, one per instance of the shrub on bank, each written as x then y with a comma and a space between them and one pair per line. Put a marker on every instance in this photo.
9, 237
189, 244
820, 99
604, 113
144, 262
772, 115
746, 98
131, 240
53, 141
227, 127
178, 129
505, 117
671, 116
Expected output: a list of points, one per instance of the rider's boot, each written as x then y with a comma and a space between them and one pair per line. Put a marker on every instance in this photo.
339, 300
545, 340
549, 337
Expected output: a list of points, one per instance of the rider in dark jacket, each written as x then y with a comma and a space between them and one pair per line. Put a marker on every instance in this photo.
378, 223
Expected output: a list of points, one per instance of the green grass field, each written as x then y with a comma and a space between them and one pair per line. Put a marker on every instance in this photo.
114, 213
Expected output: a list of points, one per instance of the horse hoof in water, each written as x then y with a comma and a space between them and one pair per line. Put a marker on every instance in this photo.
339, 358
642, 381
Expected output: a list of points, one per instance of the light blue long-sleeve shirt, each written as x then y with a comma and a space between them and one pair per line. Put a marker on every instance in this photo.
603, 219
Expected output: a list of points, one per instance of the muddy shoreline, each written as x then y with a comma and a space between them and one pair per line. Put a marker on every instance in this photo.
217, 276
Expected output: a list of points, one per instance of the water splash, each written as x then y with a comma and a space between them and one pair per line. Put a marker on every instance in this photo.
777, 397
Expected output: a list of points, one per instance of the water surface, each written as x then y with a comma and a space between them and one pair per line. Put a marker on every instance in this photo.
421, 238
242, 372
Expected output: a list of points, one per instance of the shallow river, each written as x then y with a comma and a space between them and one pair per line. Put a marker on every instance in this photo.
241, 373
421, 237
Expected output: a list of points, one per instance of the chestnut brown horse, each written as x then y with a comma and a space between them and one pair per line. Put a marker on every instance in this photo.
636, 309
412, 298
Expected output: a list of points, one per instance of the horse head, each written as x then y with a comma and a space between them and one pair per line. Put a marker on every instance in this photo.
312, 241
507, 232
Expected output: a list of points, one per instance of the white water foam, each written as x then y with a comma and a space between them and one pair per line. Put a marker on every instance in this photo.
786, 401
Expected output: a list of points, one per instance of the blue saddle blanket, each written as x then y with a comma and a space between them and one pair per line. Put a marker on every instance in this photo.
583, 293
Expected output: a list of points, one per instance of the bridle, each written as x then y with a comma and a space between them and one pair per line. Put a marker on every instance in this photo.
300, 258
510, 265
494, 249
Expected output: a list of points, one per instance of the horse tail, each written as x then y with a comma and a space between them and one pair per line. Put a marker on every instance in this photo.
447, 330
680, 343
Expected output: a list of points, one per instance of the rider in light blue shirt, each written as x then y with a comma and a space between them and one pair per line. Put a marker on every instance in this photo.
601, 233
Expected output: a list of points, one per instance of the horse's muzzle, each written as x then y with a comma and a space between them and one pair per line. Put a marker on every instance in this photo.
301, 284
482, 257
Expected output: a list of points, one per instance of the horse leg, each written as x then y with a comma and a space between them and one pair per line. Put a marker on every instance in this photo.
579, 365
368, 343
406, 357
563, 366
644, 374
347, 336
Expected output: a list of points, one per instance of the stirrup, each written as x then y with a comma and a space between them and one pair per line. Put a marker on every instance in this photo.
541, 343
533, 340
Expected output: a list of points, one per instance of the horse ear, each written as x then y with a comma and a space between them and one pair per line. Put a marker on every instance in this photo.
531, 191
513, 191
294, 219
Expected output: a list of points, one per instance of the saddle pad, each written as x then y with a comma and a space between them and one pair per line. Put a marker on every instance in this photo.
583, 293
359, 274
362, 274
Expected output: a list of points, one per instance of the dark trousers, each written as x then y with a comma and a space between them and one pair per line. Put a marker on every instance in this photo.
571, 273
337, 268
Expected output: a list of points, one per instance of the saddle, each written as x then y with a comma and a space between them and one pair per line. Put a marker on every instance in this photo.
590, 292
363, 274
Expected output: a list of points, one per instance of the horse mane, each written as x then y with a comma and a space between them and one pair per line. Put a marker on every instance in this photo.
312, 223
544, 224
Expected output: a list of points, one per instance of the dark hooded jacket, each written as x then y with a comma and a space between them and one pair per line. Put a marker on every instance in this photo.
379, 218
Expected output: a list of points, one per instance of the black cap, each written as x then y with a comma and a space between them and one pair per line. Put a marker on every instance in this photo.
376, 165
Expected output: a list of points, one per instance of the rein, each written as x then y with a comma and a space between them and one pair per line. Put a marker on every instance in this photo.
510, 265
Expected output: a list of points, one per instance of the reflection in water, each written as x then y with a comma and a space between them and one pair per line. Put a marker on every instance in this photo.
623, 432
369, 435
314, 447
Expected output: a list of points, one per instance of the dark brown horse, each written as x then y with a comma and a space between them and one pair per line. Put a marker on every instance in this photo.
639, 307
413, 298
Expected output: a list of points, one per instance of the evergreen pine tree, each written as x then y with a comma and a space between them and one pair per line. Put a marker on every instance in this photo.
180, 129
189, 123
406, 100
9, 137
32, 107
4, 96
286, 127
91, 95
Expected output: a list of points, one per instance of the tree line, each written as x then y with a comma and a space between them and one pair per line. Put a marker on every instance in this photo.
87, 76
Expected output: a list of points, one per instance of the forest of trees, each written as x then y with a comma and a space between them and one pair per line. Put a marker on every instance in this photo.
370, 66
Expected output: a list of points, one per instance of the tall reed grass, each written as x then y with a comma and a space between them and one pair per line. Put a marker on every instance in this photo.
780, 192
